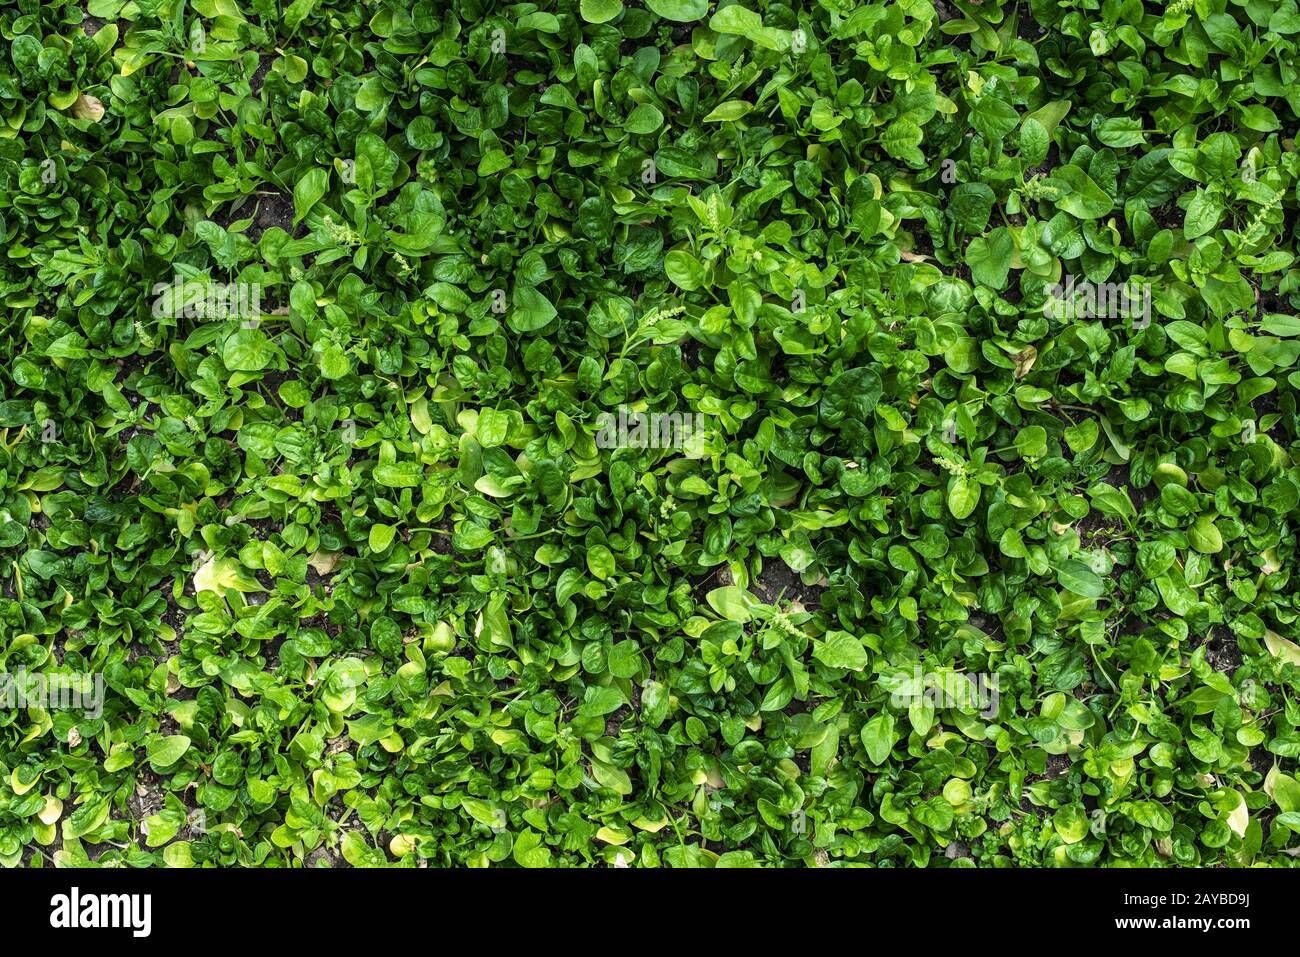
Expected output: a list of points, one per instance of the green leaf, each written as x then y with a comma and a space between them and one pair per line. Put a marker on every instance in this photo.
684, 269
644, 119
599, 702
297, 12
164, 751
530, 310
841, 650
681, 11
307, 192
994, 117
732, 603
1085, 199
989, 257
963, 496
399, 474
247, 350
381, 536
1203, 214
879, 737
1071, 823
601, 11
1204, 536
1079, 578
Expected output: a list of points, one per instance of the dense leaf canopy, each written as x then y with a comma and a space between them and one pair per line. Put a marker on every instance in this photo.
963, 535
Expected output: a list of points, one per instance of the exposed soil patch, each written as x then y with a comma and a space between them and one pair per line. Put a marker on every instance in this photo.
1119, 477
1097, 529
922, 243
1030, 808
614, 723
174, 615
777, 583
259, 75
147, 797
324, 857
1221, 651
273, 209
271, 651
1265, 404
441, 540
701, 585
1169, 217
955, 850
1261, 760
167, 724
1058, 765
1028, 29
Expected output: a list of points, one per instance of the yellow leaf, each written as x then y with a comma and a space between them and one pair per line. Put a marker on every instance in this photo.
18, 786
88, 107
401, 845
1025, 361
52, 811
323, 562
221, 574
1239, 819
611, 836
1281, 647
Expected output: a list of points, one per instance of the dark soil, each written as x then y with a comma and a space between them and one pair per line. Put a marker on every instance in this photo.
441, 541
777, 583
1028, 29
271, 652
1058, 765
167, 724
1261, 760
701, 585
1265, 404
174, 616
1221, 651
324, 857
1097, 529
922, 243
614, 723
691, 354
273, 209
259, 75
1169, 217
955, 850
146, 798
1119, 477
